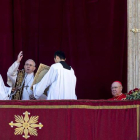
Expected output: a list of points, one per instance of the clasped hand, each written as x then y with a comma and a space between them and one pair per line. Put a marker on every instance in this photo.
32, 97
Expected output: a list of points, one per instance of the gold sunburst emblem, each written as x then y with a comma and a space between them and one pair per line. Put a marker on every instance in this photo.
26, 125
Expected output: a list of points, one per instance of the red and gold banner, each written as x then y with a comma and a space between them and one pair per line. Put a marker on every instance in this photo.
69, 120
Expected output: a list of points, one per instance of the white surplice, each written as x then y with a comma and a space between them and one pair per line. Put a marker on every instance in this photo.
62, 83
28, 82
4, 91
12, 75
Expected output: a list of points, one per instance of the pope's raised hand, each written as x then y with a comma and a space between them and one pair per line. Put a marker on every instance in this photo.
20, 55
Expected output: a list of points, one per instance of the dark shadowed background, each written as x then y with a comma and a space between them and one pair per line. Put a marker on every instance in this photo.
92, 33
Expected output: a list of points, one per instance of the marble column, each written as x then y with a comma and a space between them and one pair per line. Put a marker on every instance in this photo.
133, 23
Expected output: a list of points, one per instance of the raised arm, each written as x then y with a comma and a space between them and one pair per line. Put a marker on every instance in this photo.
13, 70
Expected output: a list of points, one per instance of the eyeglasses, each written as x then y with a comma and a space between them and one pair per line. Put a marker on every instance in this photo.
29, 65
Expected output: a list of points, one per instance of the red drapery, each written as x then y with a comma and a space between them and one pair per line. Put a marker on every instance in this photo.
92, 33
73, 120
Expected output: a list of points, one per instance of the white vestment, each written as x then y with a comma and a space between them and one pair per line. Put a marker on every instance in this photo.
4, 91
12, 75
62, 83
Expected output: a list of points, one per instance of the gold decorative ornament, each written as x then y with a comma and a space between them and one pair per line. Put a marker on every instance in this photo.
26, 125
135, 30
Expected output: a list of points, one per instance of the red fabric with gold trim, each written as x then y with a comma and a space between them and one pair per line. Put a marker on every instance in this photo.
69, 120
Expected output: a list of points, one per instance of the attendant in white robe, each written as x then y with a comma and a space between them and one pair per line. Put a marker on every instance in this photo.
4, 91
60, 78
29, 73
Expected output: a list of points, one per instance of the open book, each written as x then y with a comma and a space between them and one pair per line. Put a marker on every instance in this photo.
42, 70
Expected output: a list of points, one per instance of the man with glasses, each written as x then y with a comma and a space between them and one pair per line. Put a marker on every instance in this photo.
116, 89
29, 68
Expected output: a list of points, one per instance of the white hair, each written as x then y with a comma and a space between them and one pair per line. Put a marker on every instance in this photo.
32, 61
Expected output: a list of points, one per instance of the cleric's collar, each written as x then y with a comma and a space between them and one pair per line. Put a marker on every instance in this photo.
65, 65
